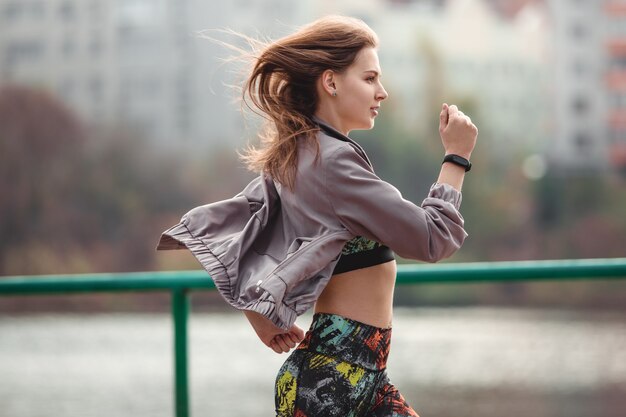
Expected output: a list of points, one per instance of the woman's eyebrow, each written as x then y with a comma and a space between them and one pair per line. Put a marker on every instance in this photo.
374, 71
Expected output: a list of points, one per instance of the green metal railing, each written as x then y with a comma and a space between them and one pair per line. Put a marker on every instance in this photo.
180, 283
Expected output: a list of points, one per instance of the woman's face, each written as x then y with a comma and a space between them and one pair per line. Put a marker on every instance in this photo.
359, 92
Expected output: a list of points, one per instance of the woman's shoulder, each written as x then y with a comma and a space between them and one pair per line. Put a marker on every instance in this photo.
323, 157
319, 149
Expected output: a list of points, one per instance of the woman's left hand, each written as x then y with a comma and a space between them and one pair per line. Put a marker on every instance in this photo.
274, 337
284, 342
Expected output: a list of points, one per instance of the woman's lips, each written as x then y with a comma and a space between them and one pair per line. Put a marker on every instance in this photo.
374, 110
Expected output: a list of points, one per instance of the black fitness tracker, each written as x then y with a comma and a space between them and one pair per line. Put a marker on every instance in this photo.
458, 160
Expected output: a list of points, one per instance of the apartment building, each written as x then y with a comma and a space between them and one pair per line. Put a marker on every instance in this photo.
138, 62
615, 81
542, 76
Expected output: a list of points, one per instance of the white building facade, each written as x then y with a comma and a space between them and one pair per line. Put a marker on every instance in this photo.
138, 62
550, 78
589, 84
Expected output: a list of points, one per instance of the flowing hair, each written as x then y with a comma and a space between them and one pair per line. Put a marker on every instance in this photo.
281, 87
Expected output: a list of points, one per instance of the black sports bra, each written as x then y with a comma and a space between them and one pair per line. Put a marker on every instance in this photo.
360, 252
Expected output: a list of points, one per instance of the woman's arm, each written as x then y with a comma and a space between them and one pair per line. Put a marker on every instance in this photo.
370, 207
458, 135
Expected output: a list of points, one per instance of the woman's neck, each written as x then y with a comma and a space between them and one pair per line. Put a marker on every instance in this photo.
332, 120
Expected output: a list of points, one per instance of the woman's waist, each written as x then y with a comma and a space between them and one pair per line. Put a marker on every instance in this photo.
365, 295
348, 340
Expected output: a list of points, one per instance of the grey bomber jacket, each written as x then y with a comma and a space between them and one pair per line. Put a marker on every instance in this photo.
272, 250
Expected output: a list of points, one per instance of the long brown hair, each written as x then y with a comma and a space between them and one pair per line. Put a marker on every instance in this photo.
282, 88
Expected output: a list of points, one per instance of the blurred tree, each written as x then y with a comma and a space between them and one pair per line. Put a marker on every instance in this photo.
40, 140
76, 199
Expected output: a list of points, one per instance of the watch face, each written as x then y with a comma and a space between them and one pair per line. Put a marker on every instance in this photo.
458, 160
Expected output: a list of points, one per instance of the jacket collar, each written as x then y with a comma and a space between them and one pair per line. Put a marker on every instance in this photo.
331, 131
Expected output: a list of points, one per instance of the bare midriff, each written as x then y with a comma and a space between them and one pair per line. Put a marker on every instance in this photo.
364, 295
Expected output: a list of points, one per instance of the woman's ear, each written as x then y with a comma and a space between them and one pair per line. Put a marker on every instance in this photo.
328, 82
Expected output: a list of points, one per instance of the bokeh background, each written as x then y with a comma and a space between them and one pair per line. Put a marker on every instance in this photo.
118, 116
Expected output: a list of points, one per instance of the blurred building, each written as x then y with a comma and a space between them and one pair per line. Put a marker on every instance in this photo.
137, 62
589, 47
539, 76
615, 80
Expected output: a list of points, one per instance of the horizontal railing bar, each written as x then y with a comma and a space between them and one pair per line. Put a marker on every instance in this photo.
105, 282
605, 268
611, 268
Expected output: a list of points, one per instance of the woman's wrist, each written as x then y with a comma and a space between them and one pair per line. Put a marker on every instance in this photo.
452, 174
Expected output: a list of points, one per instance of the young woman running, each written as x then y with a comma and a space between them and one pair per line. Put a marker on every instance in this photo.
318, 228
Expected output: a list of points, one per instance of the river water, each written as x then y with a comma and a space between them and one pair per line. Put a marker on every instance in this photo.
446, 361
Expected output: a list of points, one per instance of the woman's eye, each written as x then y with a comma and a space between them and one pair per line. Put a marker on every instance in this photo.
370, 79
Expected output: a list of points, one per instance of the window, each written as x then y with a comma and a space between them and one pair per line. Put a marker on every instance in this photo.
95, 89
67, 89
12, 10
95, 46
68, 48
617, 26
20, 51
618, 100
618, 63
582, 141
38, 9
95, 9
580, 105
617, 135
579, 68
67, 11
579, 31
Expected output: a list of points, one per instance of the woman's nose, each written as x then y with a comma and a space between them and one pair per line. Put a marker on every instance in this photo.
382, 94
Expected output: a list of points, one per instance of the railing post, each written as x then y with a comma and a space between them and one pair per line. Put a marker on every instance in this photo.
180, 313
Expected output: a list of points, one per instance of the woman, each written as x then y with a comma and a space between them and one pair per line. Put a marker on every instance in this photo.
318, 227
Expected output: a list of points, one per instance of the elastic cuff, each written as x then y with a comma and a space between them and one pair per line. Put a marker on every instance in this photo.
447, 193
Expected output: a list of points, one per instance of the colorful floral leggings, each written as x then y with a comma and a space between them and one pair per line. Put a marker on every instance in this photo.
339, 370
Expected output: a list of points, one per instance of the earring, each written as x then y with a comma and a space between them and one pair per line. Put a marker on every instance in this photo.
334, 93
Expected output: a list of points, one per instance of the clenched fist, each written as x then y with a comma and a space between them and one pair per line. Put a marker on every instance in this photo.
458, 133
277, 339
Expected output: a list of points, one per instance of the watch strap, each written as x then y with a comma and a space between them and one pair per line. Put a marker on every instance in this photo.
458, 160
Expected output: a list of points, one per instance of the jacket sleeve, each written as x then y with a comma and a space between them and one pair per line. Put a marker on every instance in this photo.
370, 207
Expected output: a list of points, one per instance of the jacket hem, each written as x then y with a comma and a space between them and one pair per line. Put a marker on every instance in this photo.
179, 237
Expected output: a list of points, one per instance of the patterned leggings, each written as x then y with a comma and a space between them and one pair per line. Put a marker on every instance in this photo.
339, 370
